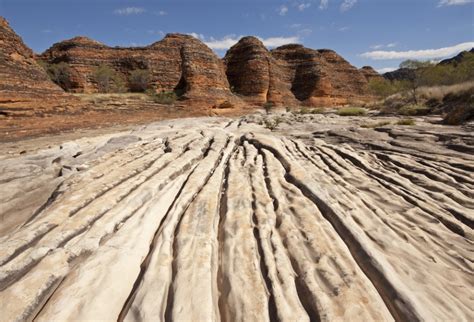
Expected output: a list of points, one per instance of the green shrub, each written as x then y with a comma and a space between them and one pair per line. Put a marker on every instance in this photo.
319, 110
412, 110
407, 121
139, 80
268, 106
59, 73
272, 124
375, 125
108, 80
351, 111
167, 98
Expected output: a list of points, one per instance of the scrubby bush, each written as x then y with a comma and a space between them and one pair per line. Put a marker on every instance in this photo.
108, 80
59, 73
268, 106
272, 124
167, 98
406, 122
139, 80
375, 125
351, 111
412, 110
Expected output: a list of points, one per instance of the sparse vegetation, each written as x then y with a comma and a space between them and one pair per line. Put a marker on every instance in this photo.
139, 80
306, 110
352, 111
268, 106
412, 110
108, 80
167, 98
407, 121
59, 73
272, 123
375, 125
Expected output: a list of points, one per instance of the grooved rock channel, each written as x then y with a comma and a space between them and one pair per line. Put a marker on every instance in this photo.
220, 219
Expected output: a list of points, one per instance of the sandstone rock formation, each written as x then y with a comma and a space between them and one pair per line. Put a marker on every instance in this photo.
178, 63
25, 88
370, 73
256, 75
218, 219
293, 74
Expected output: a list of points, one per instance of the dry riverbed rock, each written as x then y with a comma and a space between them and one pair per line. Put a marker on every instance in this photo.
209, 219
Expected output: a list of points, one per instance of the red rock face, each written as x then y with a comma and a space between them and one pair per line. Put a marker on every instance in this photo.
292, 75
255, 74
321, 77
178, 62
25, 88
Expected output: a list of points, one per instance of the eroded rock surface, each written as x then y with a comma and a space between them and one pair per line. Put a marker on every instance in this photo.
25, 88
219, 219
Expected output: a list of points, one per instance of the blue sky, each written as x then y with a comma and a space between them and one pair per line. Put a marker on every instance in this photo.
380, 33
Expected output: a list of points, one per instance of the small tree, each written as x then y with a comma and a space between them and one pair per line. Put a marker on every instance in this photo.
381, 87
108, 80
268, 106
139, 80
416, 79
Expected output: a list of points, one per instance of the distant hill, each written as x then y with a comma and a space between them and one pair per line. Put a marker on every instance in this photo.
406, 73
457, 59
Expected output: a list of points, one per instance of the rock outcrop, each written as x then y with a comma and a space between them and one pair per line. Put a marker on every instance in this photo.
293, 74
255, 74
221, 220
178, 62
25, 88
370, 73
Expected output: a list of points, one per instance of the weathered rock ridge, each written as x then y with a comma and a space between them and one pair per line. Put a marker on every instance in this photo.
25, 88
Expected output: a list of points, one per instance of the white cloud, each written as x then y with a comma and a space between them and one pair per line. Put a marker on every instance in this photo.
348, 4
228, 41
129, 11
443, 3
295, 25
380, 46
345, 28
304, 6
323, 4
196, 35
386, 70
162, 13
305, 32
279, 41
283, 10
419, 54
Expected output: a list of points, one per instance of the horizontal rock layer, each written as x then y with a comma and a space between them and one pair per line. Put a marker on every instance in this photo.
293, 74
178, 63
224, 220
25, 88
